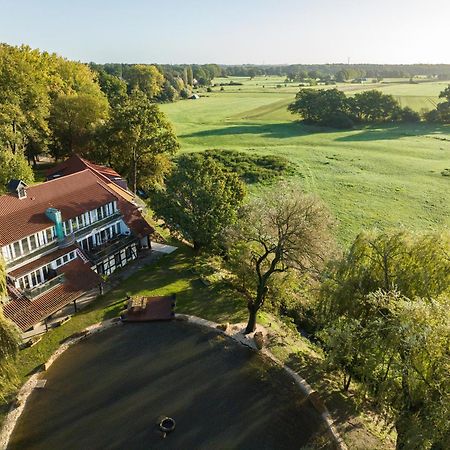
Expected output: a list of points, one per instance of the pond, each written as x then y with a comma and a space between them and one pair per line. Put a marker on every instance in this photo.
111, 390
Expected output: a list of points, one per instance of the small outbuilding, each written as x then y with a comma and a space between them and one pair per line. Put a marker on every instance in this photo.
194, 97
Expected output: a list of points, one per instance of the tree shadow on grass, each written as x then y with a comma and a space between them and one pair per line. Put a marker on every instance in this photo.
288, 130
273, 130
392, 132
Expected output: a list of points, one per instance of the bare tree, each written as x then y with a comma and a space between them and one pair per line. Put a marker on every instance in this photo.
283, 230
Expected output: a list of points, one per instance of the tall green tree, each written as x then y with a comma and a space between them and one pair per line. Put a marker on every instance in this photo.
146, 78
14, 166
414, 264
442, 112
199, 200
74, 121
141, 141
113, 87
327, 107
281, 231
25, 82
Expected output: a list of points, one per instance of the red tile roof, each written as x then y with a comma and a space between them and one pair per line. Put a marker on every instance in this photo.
79, 278
76, 163
72, 195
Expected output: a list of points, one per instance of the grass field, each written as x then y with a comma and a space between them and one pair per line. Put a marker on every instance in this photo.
373, 177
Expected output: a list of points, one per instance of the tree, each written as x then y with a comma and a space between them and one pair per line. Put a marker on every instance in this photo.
281, 231
113, 87
399, 351
9, 342
25, 79
146, 78
442, 112
384, 311
200, 199
74, 120
416, 265
373, 106
141, 140
328, 107
14, 166
189, 76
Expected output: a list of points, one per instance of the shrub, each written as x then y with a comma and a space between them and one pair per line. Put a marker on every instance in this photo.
184, 93
339, 120
250, 167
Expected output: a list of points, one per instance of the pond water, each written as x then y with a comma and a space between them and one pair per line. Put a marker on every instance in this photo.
111, 390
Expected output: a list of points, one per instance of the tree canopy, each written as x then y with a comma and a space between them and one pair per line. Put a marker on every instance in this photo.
331, 107
281, 231
199, 200
141, 140
385, 318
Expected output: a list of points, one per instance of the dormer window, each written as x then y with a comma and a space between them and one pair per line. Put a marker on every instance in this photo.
18, 187
22, 193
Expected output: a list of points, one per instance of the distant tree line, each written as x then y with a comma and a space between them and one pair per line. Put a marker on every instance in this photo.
331, 107
340, 72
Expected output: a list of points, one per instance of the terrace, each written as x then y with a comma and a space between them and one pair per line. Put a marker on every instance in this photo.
111, 247
47, 285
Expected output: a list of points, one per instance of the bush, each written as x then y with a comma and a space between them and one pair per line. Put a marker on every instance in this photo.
339, 120
406, 115
184, 93
252, 168
209, 89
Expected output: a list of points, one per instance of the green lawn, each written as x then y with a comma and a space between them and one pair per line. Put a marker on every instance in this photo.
374, 177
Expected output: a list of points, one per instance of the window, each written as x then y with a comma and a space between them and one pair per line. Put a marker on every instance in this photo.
22, 192
118, 260
25, 246
50, 234
128, 253
65, 258
100, 213
33, 242
74, 223
17, 249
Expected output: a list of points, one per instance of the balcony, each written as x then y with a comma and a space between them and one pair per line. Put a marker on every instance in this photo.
46, 286
98, 224
111, 247
40, 251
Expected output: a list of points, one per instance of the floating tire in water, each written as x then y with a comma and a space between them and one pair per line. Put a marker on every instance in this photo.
167, 424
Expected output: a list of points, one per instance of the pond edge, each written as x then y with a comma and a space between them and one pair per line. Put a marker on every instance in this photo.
25, 391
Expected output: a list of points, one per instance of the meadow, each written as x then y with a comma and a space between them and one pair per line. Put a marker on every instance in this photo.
382, 177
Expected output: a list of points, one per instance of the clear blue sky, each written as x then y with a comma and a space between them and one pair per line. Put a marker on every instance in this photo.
232, 31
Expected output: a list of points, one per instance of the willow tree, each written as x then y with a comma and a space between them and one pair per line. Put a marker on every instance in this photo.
284, 230
9, 342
